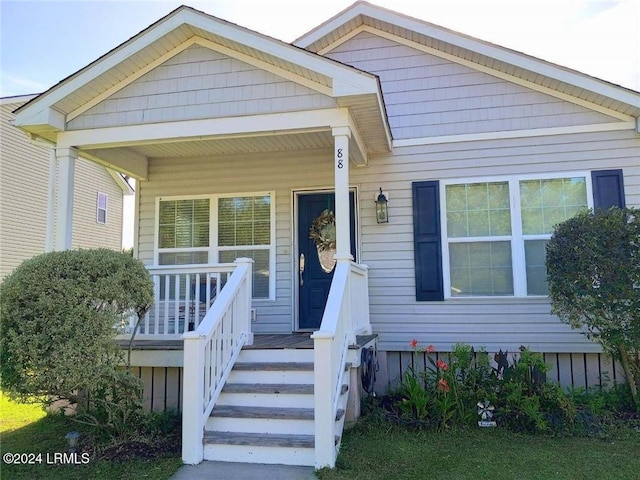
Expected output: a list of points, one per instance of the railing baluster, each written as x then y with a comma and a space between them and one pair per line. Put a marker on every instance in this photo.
167, 299
156, 293
176, 304
186, 308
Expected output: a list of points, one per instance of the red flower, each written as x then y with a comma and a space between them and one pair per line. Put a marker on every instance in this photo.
443, 385
413, 343
431, 349
441, 364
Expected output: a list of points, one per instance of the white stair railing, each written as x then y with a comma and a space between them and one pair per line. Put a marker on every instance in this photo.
183, 294
209, 354
346, 314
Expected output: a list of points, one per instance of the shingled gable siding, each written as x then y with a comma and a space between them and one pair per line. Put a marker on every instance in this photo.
200, 83
427, 96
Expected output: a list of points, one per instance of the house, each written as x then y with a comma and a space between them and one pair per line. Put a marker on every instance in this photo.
26, 222
259, 166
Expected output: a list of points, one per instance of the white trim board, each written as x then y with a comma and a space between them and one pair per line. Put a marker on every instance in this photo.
266, 124
536, 132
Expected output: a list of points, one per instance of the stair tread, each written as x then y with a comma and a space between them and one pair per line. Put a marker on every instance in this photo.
260, 439
260, 366
269, 388
233, 411
262, 412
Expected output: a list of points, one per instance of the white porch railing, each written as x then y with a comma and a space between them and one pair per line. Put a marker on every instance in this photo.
183, 295
209, 354
346, 315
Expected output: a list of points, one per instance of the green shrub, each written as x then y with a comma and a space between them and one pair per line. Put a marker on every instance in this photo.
593, 272
58, 317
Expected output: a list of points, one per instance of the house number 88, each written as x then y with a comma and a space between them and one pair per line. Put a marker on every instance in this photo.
339, 157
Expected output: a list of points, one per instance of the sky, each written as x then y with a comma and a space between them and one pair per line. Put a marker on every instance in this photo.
43, 42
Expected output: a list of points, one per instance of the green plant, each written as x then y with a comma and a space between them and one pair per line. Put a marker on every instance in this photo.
414, 397
150, 451
58, 318
593, 272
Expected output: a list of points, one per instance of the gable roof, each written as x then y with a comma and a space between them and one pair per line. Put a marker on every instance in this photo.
363, 15
49, 113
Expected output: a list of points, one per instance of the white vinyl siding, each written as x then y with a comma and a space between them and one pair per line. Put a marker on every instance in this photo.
427, 96
200, 83
493, 322
219, 229
495, 231
24, 177
91, 178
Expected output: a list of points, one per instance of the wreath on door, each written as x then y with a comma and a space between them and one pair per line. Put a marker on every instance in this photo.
323, 233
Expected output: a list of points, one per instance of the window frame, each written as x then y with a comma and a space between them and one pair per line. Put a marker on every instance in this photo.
213, 250
517, 238
105, 209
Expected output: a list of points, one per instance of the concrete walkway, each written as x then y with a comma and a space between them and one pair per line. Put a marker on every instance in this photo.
243, 471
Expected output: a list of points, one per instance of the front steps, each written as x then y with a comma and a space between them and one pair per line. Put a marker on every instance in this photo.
265, 413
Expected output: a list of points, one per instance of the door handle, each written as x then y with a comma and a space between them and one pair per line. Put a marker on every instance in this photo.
301, 268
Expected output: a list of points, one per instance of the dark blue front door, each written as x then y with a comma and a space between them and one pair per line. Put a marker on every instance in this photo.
314, 281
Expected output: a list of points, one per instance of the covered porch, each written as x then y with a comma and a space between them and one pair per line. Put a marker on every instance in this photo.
225, 130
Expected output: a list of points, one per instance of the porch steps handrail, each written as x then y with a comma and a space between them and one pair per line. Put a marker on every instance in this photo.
210, 353
346, 314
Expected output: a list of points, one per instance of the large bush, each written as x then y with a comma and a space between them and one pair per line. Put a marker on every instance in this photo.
58, 313
593, 265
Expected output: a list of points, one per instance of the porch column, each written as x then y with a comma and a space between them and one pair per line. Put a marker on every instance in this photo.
66, 159
51, 199
341, 136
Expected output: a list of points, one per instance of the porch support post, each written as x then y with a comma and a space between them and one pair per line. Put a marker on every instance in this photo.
51, 198
66, 158
341, 136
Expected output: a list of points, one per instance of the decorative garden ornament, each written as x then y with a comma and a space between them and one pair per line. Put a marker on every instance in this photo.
485, 410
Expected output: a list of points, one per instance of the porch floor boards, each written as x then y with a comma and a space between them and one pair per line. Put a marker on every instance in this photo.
296, 340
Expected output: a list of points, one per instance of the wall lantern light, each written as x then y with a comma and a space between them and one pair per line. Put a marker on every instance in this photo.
382, 212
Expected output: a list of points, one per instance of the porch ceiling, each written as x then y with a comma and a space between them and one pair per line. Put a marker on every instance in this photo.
227, 146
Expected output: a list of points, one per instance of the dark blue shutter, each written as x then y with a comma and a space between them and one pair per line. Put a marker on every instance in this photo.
427, 241
608, 189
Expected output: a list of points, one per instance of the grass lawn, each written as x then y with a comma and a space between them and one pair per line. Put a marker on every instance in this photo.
27, 429
383, 451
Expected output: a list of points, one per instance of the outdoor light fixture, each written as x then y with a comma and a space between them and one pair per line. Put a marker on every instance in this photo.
382, 212
72, 438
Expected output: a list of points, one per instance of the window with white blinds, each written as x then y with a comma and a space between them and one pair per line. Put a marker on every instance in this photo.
219, 229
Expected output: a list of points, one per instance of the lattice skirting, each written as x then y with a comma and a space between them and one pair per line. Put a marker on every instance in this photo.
568, 369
